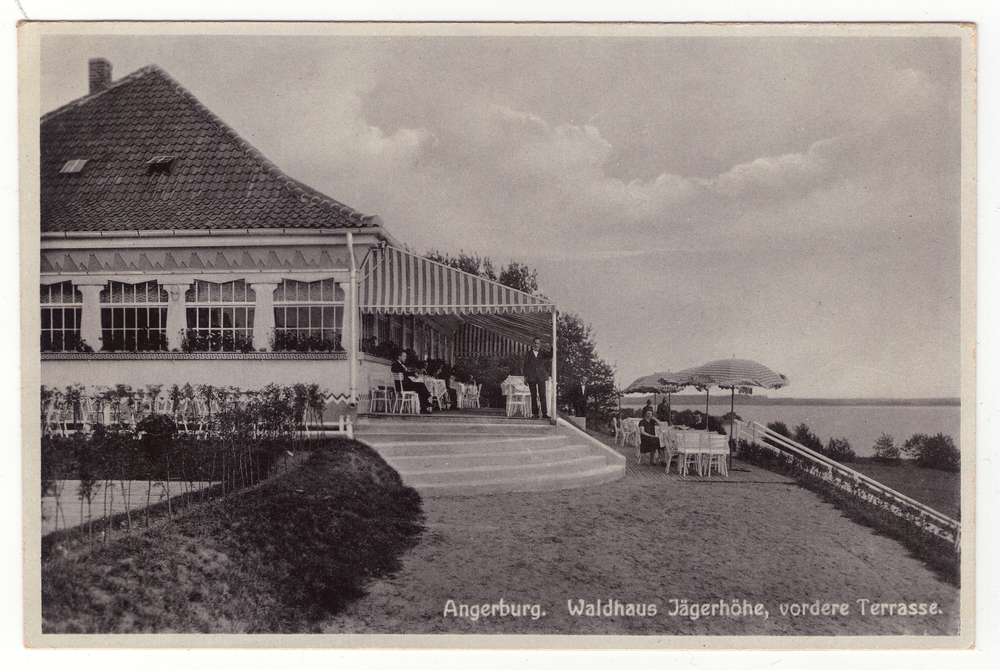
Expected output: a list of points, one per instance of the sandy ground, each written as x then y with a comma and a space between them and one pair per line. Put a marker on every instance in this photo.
647, 541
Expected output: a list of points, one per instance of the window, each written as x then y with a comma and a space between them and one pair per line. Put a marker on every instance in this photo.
396, 329
383, 328
74, 166
219, 317
61, 310
308, 316
407, 331
159, 164
134, 317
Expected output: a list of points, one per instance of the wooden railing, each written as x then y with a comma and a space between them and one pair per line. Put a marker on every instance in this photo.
852, 482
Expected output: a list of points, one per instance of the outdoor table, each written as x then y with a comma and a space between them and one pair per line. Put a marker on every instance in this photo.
518, 395
700, 445
436, 386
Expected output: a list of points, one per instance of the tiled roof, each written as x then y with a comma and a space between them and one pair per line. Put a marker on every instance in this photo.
215, 181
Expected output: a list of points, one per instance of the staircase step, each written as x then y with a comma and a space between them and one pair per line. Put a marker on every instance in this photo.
445, 445
445, 454
389, 427
436, 461
549, 481
504, 472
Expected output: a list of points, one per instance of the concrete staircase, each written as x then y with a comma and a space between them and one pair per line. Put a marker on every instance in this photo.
478, 454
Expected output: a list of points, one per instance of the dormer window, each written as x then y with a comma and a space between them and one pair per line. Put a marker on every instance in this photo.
160, 164
74, 166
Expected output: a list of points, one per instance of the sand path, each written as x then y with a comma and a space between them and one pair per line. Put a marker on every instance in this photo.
653, 540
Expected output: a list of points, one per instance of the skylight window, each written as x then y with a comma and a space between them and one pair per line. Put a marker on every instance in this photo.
160, 163
75, 165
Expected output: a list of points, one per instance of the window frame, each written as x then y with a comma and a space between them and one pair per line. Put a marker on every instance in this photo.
293, 300
133, 317
219, 306
61, 311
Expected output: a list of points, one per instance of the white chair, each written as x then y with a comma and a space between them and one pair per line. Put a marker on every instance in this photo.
717, 456
519, 402
630, 437
619, 432
382, 395
668, 446
406, 401
471, 397
689, 446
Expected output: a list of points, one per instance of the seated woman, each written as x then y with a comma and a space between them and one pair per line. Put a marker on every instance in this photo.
649, 441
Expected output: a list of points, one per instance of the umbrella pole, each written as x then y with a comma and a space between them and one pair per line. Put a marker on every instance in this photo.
732, 413
670, 415
706, 409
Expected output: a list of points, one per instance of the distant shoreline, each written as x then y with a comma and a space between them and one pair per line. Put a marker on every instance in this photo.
722, 398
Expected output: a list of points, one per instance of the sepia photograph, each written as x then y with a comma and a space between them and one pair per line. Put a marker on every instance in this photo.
499, 335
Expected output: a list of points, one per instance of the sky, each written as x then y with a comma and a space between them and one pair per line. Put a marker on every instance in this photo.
791, 200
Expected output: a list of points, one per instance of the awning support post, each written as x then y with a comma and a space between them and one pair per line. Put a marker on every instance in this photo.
352, 346
555, 377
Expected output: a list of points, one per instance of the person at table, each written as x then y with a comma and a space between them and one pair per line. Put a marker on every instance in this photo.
649, 441
663, 412
449, 383
409, 384
536, 373
648, 408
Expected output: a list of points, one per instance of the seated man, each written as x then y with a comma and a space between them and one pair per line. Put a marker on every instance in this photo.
399, 367
449, 383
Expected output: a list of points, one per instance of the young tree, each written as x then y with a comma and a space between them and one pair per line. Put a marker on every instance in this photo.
473, 264
520, 277
780, 428
807, 439
578, 360
885, 450
938, 452
840, 450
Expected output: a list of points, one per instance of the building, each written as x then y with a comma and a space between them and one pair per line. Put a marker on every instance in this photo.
173, 252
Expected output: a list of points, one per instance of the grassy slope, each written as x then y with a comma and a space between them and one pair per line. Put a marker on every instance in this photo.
934, 488
274, 558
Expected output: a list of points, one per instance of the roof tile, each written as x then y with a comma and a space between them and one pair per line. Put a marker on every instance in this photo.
217, 180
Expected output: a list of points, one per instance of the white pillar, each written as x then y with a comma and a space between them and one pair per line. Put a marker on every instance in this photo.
176, 314
263, 315
352, 346
90, 315
555, 377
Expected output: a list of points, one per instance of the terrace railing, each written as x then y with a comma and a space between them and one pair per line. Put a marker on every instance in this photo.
852, 482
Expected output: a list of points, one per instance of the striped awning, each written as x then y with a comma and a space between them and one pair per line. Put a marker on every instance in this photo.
394, 281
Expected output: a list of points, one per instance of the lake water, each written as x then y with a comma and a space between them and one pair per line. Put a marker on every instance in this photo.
861, 425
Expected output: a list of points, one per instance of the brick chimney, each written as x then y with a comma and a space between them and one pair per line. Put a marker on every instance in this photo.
100, 75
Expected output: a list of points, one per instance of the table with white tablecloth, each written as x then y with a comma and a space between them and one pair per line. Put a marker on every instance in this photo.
697, 447
515, 389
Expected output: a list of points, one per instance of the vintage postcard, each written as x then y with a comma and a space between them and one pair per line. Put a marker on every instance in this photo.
514, 336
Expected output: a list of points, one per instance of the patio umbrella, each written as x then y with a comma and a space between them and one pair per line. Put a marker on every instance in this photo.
731, 373
658, 382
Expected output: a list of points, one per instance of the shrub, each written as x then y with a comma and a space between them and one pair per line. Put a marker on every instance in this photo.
780, 428
807, 439
840, 450
885, 450
938, 452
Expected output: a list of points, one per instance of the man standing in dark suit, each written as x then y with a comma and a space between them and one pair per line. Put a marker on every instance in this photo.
536, 373
580, 398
